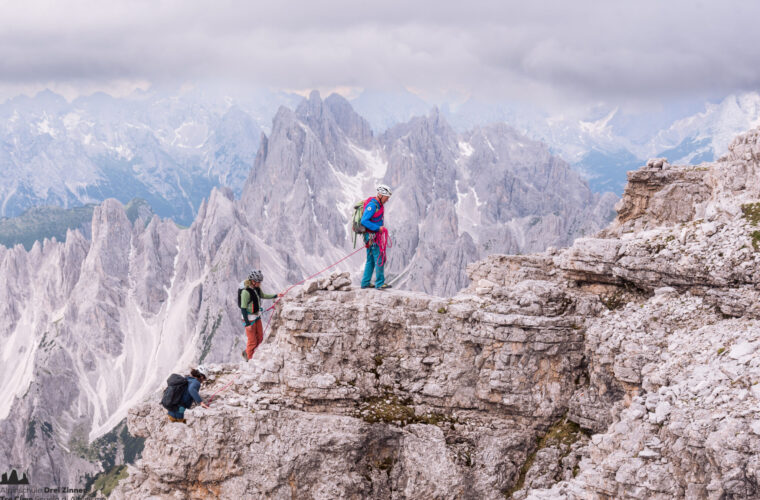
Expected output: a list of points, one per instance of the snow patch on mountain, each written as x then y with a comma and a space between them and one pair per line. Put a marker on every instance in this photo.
716, 127
468, 210
373, 159
465, 148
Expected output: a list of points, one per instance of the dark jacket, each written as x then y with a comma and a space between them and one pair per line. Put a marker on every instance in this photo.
190, 396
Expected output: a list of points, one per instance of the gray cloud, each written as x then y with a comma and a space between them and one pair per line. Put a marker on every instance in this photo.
583, 50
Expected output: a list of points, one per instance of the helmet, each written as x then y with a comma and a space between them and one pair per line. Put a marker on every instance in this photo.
202, 370
256, 276
384, 190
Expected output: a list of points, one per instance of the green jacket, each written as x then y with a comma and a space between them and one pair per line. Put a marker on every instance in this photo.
253, 304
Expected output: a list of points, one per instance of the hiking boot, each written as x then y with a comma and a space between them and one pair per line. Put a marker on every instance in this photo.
180, 420
384, 286
245, 356
371, 285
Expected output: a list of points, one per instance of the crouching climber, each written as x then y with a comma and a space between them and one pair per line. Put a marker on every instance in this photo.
182, 393
249, 300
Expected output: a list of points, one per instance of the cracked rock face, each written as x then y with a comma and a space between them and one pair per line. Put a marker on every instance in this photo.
625, 366
380, 394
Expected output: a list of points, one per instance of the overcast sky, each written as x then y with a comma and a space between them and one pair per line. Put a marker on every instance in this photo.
578, 51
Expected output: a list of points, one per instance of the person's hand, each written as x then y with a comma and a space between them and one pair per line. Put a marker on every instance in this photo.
204, 405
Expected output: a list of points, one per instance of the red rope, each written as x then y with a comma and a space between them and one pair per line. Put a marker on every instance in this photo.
220, 390
383, 241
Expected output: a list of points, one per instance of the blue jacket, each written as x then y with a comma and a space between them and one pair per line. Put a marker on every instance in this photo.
191, 395
370, 219
193, 384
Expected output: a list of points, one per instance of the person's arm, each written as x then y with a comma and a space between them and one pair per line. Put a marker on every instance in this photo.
369, 211
269, 295
192, 388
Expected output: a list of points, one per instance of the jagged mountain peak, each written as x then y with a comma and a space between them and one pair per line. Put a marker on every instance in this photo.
354, 126
311, 108
431, 125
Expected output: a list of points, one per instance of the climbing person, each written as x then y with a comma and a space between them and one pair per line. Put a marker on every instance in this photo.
249, 301
375, 238
182, 392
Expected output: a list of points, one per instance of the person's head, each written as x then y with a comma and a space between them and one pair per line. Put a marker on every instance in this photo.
255, 278
383, 193
201, 373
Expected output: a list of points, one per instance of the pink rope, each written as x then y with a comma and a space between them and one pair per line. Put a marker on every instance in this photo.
383, 241
211, 398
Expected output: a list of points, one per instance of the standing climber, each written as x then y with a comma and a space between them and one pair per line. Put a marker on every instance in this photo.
249, 301
375, 238
182, 392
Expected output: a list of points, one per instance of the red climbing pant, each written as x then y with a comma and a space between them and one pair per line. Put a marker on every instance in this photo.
255, 336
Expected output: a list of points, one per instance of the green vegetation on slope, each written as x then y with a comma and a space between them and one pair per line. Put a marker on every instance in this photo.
39, 223
113, 450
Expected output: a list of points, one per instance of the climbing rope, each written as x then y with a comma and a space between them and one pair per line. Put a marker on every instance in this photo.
211, 398
383, 241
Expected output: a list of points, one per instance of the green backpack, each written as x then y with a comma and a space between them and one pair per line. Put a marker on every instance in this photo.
356, 219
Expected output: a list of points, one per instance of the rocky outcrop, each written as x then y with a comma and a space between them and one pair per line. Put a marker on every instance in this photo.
672, 373
371, 394
622, 367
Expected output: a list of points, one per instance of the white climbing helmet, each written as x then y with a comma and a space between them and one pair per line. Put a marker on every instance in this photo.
256, 276
202, 370
384, 190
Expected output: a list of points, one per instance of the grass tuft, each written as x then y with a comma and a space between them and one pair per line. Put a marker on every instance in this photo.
751, 212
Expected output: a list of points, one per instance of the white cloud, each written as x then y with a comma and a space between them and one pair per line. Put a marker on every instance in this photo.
557, 50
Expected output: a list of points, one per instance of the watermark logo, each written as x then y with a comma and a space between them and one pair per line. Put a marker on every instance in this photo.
13, 487
11, 478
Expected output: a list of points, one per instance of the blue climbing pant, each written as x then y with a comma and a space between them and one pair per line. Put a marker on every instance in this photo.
186, 402
373, 265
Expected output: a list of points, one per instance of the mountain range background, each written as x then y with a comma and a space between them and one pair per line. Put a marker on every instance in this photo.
171, 147
209, 186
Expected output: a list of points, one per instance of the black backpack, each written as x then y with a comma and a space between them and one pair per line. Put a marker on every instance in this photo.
177, 385
254, 298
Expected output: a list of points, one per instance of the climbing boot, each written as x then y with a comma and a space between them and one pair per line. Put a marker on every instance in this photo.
245, 356
180, 420
371, 285
384, 286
